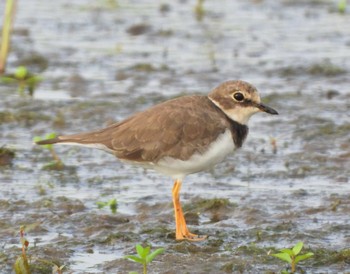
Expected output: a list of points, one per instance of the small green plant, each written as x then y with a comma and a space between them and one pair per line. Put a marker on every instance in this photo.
112, 203
21, 265
144, 256
111, 4
24, 80
292, 256
57, 164
342, 6
58, 269
199, 10
55, 268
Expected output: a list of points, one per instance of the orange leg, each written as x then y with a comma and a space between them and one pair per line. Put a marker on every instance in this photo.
182, 232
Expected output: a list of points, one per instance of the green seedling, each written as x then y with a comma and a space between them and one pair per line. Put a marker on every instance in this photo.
21, 265
112, 203
111, 4
292, 256
58, 269
342, 6
199, 10
144, 256
57, 164
55, 268
24, 80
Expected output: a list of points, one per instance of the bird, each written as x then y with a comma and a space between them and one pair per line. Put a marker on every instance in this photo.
178, 137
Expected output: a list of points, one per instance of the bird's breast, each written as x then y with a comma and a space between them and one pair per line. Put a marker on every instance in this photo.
214, 154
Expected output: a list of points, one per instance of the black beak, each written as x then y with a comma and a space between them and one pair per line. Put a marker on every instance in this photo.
266, 109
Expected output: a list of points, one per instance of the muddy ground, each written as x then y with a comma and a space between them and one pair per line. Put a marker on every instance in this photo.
103, 60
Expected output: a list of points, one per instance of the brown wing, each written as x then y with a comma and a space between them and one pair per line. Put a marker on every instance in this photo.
176, 128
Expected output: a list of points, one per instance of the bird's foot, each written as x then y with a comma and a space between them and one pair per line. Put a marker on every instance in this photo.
191, 237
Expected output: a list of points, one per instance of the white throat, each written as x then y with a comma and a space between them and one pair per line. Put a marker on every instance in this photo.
240, 114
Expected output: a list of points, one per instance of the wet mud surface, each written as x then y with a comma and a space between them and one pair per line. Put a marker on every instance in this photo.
102, 62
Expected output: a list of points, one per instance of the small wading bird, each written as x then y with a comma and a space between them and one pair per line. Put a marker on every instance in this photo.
180, 136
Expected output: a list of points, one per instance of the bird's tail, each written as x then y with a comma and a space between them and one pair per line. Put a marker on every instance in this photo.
49, 141
76, 139
89, 139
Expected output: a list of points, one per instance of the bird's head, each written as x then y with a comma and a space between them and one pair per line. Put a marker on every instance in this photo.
239, 100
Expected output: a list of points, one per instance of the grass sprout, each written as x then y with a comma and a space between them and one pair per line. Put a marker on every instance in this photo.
144, 256
57, 164
24, 79
112, 203
292, 256
21, 265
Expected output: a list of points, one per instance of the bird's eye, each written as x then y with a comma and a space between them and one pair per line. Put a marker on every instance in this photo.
238, 96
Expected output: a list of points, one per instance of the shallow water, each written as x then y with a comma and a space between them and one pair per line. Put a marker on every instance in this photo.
105, 63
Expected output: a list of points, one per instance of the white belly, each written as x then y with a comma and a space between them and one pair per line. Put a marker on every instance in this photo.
216, 153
